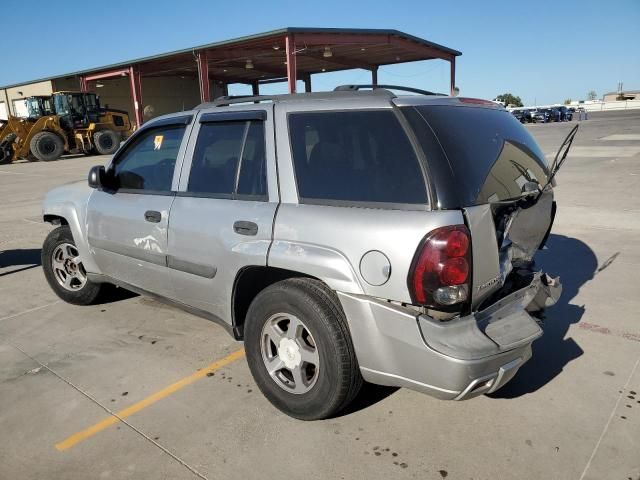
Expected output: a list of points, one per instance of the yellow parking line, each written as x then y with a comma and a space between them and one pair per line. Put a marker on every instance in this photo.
150, 400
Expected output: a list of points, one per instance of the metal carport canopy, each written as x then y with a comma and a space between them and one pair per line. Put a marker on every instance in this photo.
286, 54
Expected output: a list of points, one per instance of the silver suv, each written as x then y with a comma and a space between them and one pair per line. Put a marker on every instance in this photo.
345, 236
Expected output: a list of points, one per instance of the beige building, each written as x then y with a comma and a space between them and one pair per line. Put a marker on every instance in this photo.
626, 95
161, 94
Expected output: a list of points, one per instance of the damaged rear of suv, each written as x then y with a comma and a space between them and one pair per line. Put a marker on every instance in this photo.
475, 283
344, 236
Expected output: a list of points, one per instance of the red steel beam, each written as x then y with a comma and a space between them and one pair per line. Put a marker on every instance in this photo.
203, 75
109, 74
341, 61
136, 93
414, 47
341, 39
84, 87
290, 47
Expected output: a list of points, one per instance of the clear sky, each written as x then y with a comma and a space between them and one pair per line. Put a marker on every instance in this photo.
544, 51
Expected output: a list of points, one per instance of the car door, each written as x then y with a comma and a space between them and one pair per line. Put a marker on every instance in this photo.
127, 223
222, 217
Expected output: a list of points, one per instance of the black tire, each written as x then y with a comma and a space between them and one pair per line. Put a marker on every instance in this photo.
10, 138
338, 378
6, 149
85, 295
106, 142
46, 146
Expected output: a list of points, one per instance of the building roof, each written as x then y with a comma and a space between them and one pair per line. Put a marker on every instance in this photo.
623, 92
348, 47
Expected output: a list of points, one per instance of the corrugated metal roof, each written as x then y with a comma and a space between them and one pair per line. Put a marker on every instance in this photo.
244, 39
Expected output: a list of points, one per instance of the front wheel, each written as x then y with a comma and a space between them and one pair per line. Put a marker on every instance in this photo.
46, 146
64, 270
6, 148
300, 351
106, 142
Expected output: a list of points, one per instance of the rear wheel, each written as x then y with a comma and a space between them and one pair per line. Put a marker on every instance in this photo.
106, 142
46, 146
299, 349
64, 270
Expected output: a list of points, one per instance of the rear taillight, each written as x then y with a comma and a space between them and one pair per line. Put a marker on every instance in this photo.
440, 275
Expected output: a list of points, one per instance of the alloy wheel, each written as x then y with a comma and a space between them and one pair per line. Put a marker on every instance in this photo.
290, 353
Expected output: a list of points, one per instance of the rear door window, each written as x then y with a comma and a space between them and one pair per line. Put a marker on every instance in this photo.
229, 160
354, 156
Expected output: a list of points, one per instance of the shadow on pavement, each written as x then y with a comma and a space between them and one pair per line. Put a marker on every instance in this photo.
369, 395
25, 259
576, 264
112, 294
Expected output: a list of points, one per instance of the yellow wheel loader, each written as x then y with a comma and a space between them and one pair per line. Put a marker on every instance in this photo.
79, 124
16, 134
91, 129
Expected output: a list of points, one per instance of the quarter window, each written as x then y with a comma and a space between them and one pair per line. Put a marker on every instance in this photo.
149, 162
229, 160
355, 156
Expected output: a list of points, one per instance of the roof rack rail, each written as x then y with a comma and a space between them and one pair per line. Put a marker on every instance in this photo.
349, 88
231, 99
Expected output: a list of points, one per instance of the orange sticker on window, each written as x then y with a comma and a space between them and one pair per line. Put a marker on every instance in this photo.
157, 142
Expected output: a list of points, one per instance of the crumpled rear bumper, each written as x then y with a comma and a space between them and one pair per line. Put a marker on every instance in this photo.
456, 359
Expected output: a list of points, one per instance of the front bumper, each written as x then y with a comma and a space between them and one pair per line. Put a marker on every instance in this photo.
453, 360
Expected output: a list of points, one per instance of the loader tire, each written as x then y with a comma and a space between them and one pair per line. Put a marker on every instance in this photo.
6, 151
106, 142
46, 146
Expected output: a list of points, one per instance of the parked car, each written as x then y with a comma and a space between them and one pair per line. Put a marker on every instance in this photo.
523, 115
566, 114
344, 236
539, 116
555, 114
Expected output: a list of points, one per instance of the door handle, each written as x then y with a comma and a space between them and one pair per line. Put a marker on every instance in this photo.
152, 216
245, 228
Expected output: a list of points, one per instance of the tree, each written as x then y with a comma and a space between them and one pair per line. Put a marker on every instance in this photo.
509, 99
592, 95
567, 101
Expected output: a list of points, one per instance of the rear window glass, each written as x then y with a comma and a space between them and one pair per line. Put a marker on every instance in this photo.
355, 156
490, 154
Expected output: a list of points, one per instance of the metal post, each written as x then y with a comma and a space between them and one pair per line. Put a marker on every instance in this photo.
203, 75
374, 75
290, 45
453, 73
307, 83
136, 93
255, 88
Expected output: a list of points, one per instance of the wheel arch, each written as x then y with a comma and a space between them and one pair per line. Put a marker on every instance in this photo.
55, 219
249, 282
65, 213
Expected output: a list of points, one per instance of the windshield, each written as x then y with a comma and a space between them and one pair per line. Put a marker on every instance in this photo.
61, 104
33, 108
488, 154
91, 101
69, 103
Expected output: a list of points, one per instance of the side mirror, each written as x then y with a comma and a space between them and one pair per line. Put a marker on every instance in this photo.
97, 176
